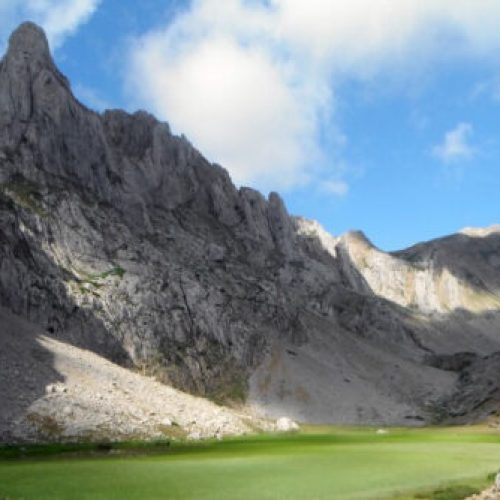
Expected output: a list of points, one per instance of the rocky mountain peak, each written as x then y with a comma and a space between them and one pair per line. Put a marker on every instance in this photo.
481, 232
29, 83
29, 42
357, 239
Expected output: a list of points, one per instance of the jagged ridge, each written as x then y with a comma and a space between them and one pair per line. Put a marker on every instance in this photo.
119, 237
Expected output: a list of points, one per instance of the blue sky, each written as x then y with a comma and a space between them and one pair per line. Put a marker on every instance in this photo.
369, 114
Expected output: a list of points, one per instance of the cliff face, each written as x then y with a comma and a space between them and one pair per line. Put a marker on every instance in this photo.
119, 237
461, 271
126, 239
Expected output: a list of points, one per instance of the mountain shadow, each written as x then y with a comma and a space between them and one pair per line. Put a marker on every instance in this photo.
26, 370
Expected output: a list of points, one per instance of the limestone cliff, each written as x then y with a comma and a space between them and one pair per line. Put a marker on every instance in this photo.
461, 271
119, 237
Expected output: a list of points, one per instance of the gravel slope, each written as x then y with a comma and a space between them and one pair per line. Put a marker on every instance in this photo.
52, 390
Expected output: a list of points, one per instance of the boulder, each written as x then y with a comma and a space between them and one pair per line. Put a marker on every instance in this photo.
166, 422
285, 424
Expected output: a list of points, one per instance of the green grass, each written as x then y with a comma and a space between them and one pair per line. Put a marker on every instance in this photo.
116, 271
82, 449
440, 464
91, 283
94, 279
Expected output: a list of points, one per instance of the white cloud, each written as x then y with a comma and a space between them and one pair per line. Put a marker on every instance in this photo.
455, 145
216, 79
59, 18
234, 104
250, 81
360, 35
336, 187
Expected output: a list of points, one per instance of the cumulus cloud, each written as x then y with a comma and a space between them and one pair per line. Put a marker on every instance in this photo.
455, 145
216, 79
234, 104
59, 18
251, 82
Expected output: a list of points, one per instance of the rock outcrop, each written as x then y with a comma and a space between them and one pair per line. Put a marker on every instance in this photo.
118, 237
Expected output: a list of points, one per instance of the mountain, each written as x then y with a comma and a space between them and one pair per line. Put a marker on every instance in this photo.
120, 238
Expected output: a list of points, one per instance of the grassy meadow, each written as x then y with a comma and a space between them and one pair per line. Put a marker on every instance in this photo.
318, 463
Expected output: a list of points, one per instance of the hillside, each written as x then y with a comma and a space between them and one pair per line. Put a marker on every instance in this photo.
53, 391
120, 238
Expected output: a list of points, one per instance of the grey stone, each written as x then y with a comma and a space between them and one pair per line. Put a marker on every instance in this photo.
118, 237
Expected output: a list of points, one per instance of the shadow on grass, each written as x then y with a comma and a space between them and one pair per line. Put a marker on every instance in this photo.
457, 491
81, 450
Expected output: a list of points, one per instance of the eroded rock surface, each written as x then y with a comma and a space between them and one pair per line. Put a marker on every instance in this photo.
118, 237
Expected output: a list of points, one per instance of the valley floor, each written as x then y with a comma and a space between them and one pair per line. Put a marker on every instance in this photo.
318, 463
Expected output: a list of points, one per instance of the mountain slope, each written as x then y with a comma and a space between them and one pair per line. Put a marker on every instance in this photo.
74, 394
118, 237
460, 271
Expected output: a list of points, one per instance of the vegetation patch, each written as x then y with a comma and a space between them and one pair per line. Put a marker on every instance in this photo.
458, 492
91, 283
81, 449
116, 271
46, 424
232, 392
174, 431
224, 381
97, 279
25, 194
319, 462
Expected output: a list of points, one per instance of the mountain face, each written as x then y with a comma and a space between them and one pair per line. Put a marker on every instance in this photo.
118, 237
